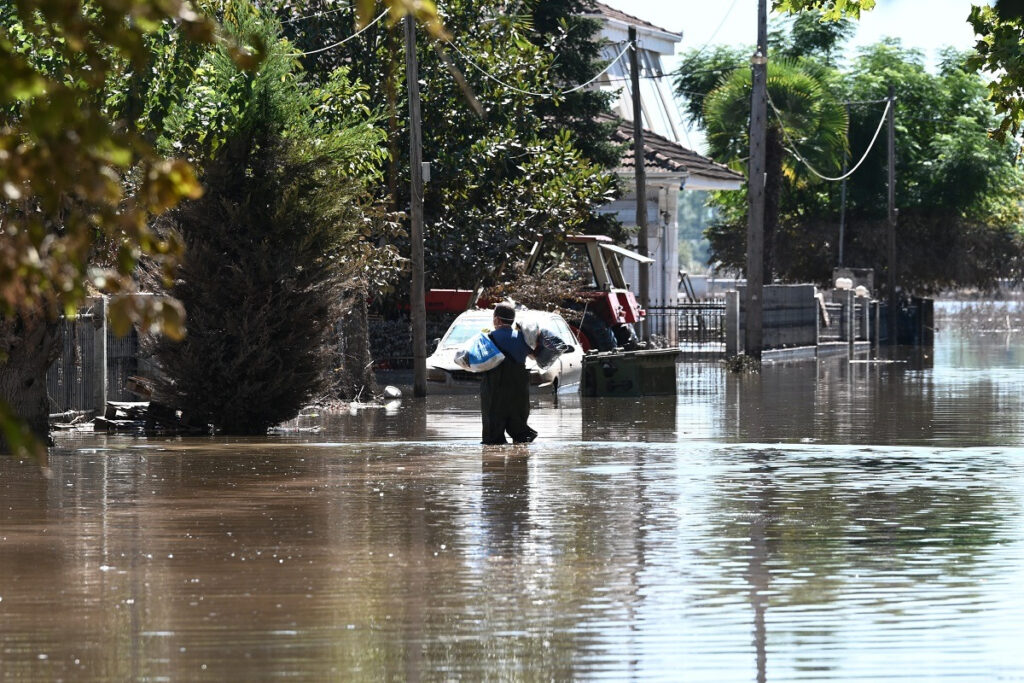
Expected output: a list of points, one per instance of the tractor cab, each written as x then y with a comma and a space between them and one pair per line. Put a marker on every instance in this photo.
611, 309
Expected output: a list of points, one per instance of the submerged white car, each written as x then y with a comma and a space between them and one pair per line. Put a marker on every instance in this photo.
562, 376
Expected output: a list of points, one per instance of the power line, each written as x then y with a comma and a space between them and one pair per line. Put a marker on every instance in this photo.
715, 32
671, 73
316, 15
806, 163
556, 93
343, 40
694, 94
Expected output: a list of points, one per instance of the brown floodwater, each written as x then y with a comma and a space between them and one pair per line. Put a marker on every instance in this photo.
822, 521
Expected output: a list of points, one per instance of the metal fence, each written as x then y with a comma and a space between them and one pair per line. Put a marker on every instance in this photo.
70, 381
122, 362
73, 381
391, 340
860, 322
700, 324
834, 330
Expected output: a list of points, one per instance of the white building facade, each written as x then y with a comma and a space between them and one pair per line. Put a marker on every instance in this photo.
670, 167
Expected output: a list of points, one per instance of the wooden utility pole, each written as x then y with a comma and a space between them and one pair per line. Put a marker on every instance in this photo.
842, 191
891, 232
417, 301
641, 179
753, 339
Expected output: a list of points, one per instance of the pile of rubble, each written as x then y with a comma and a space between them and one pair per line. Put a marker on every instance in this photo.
137, 417
146, 417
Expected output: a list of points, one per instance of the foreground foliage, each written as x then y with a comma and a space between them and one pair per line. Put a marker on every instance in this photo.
85, 87
78, 182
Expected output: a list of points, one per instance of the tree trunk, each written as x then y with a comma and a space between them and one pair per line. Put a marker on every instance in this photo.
29, 343
774, 152
357, 380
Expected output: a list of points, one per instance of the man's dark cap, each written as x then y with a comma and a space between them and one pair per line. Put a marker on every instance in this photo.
505, 313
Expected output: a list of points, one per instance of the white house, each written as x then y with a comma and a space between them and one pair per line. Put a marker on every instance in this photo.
670, 167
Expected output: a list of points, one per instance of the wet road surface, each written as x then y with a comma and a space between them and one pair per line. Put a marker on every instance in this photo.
832, 521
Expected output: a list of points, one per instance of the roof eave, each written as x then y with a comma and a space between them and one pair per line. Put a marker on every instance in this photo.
700, 182
641, 29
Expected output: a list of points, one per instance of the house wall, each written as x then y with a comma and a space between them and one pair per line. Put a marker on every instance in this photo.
662, 240
661, 115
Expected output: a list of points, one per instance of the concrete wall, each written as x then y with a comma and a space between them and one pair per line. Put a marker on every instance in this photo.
789, 315
791, 318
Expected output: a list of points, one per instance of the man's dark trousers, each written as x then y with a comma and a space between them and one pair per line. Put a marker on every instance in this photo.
505, 403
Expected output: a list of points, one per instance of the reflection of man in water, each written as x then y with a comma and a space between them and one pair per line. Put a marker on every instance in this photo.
505, 500
505, 390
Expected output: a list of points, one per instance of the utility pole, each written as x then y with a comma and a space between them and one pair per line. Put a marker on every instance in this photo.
417, 301
842, 191
641, 179
891, 232
754, 338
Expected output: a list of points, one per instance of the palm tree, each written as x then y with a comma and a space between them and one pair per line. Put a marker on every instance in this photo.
804, 116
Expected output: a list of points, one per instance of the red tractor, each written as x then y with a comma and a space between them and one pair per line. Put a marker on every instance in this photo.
610, 310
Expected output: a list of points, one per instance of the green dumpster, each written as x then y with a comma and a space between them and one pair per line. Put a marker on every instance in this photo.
649, 372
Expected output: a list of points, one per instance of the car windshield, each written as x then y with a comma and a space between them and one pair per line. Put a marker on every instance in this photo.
462, 330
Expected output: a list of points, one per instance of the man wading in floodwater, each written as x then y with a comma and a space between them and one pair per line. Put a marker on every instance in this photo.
505, 390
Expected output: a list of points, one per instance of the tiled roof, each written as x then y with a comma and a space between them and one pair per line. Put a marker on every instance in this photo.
662, 154
618, 15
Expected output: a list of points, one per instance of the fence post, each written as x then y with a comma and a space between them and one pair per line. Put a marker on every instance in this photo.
819, 304
99, 321
732, 323
848, 320
866, 315
876, 325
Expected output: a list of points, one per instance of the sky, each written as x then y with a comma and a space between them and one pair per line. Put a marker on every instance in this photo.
925, 24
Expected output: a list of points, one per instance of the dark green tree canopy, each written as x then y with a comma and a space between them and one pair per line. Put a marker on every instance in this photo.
1000, 30
956, 186
278, 241
507, 166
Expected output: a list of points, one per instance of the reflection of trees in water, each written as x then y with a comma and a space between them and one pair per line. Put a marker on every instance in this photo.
814, 523
834, 401
222, 546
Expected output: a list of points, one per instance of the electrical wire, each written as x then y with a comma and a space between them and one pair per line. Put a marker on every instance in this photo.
343, 40
556, 93
715, 32
806, 163
316, 14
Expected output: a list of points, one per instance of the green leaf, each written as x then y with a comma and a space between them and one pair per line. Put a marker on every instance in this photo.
18, 438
